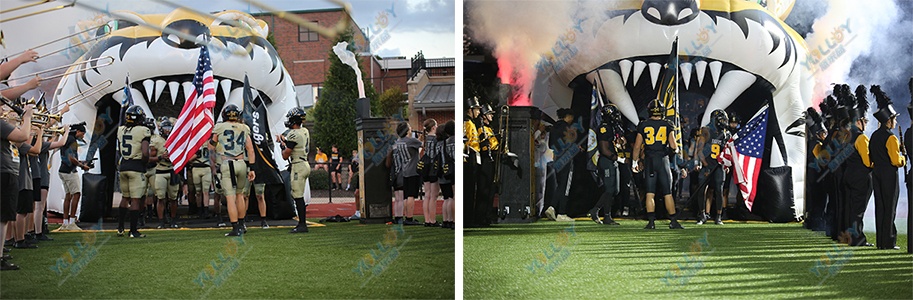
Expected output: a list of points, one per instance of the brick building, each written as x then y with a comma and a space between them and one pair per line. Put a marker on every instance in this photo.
307, 54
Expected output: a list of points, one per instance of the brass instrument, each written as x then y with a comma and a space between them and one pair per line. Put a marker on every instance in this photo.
27, 102
47, 116
503, 134
328, 32
231, 22
11, 105
60, 39
74, 45
183, 35
34, 13
87, 67
24, 6
85, 94
51, 132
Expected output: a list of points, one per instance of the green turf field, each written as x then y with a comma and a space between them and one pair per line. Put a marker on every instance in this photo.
549, 260
329, 262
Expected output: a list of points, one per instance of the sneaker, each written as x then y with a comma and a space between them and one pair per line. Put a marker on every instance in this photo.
161, 225
299, 229
120, 232
564, 218
550, 213
243, 229
610, 222
221, 224
675, 225
175, 225
24, 245
650, 225
74, 227
7, 266
8, 243
411, 222
43, 237
136, 234
701, 219
263, 224
233, 232
719, 221
594, 215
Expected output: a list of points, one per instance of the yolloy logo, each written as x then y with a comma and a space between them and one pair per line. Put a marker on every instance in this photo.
555, 253
77, 258
833, 47
378, 260
681, 273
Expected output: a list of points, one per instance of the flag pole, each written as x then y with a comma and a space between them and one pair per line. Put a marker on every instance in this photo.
678, 113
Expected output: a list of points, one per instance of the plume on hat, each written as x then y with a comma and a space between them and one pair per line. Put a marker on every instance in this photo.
863, 103
827, 106
881, 98
844, 97
813, 116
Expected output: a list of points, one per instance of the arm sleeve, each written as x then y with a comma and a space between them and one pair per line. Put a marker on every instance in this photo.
893, 145
818, 148
862, 147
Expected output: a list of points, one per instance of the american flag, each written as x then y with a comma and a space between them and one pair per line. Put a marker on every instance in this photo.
746, 154
194, 126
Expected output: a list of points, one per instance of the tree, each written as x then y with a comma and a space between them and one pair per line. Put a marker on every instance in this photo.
392, 102
334, 112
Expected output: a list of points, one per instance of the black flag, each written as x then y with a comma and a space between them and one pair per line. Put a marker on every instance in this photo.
256, 119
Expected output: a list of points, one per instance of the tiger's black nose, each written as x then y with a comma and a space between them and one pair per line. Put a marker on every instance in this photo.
669, 12
193, 28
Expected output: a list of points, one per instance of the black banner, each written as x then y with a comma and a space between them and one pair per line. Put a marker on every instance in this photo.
256, 118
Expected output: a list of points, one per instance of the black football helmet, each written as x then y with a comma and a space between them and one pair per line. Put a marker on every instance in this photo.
231, 113
134, 116
296, 115
165, 125
656, 109
719, 118
610, 113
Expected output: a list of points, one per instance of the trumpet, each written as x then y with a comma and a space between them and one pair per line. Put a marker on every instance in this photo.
85, 94
39, 122
47, 116
27, 102
50, 132
109, 58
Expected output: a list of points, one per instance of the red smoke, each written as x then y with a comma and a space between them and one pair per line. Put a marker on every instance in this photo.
519, 76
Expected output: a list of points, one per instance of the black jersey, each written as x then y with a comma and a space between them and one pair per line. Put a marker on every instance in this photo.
714, 144
656, 135
606, 133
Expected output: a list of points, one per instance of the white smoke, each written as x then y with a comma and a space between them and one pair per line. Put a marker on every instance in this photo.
867, 25
520, 33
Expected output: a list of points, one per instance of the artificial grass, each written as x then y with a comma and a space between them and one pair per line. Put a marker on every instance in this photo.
269, 263
548, 260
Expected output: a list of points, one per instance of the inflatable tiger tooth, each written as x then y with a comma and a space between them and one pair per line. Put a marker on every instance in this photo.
159, 69
734, 54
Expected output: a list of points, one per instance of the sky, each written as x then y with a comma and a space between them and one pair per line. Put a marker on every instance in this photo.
415, 25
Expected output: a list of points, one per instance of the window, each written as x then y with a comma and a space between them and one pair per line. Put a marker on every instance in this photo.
307, 35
